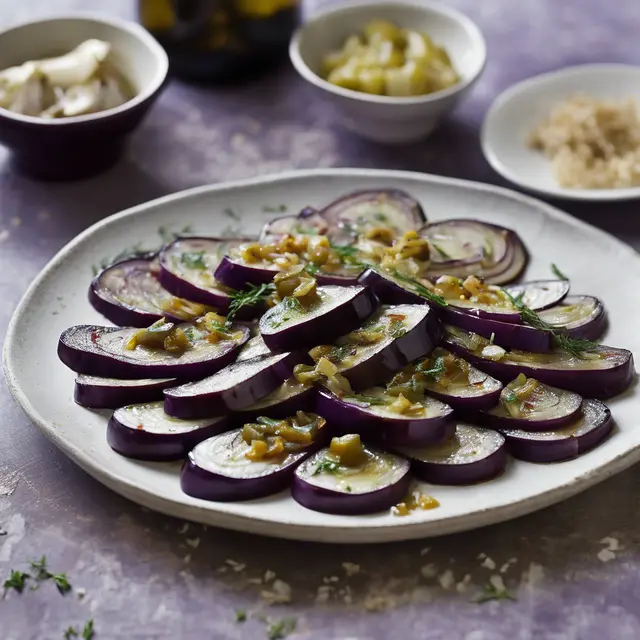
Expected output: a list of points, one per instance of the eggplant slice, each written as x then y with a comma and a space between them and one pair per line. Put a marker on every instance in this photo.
102, 351
308, 222
146, 432
601, 372
379, 483
407, 332
540, 294
287, 327
528, 404
578, 316
187, 266
111, 393
218, 469
586, 433
129, 294
471, 455
237, 386
370, 414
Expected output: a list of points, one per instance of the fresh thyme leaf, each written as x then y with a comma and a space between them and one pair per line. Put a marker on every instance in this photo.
167, 236
372, 400
71, 632
346, 252
510, 396
326, 466
348, 488
436, 370
250, 297
241, 615
441, 251
381, 217
281, 629
491, 592
88, 631
230, 213
40, 567
311, 268
557, 273
16, 580
62, 583
420, 289
281, 208
193, 260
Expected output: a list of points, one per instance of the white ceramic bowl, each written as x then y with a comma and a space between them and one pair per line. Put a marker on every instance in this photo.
517, 111
382, 118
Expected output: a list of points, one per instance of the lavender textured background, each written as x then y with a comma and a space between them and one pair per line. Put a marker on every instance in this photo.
574, 568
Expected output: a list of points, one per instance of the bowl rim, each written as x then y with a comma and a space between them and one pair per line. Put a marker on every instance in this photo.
134, 29
527, 86
428, 6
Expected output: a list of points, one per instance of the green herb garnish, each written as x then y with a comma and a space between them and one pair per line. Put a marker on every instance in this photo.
381, 217
326, 466
396, 329
250, 297
311, 268
491, 592
420, 289
557, 273
71, 632
510, 396
435, 371
347, 254
40, 567
281, 208
304, 231
281, 629
230, 213
134, 251
441, 251
17, 580
168, 236
371, 400
88, 631
62, 583
193, 260
241, 615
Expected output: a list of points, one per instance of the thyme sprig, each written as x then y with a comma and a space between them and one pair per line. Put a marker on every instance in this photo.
419, 288
248, 297
557, 273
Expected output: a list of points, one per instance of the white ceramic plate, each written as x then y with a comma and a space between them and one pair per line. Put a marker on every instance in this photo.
57, 299
517, 111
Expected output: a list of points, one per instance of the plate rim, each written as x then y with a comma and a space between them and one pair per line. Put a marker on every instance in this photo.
526, 86
331, 533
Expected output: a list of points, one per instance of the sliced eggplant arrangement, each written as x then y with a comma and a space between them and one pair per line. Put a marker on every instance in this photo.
587, 432
251, 462
123, 353
187, 266
336, 310
452, 380
389, 340
540, 294
253, 348
600, 372
289, 397
380, 417
471, 455
389, 289
578, 316
237, 386
308, 222
146, 432
470, 247
237, 274
350, 478
528, 404
129, 294
110, 393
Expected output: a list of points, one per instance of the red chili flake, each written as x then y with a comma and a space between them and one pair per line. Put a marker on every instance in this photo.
94, 336
139, 427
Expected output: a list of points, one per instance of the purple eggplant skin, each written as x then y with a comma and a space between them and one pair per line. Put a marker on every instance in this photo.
344, 417
235, 387
79, 348
589, 383
381, 365
591, 328
144, 269
549, 292
323, 327
237, 275
199, 482
110, 393
464, 473
181, 287
139, 444
305, 401
330, 501
505, 334
593, 428
389, 291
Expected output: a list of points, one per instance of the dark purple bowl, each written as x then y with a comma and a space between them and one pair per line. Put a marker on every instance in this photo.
78, 147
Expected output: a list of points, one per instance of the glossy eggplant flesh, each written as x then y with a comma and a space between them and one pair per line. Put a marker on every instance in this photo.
377, 470
572, 312
540, 294
289, 391
533, 405
253, 348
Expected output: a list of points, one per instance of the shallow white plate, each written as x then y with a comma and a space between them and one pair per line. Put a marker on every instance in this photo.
517, 111
57, 299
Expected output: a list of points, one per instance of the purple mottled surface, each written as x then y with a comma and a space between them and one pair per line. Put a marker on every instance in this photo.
574, 568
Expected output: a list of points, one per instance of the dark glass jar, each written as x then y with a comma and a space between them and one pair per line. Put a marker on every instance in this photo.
221, 40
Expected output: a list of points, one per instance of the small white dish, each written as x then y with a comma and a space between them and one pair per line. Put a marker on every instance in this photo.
517, 111
57, 299
382, 118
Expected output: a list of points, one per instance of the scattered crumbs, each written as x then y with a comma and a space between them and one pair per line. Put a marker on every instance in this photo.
446, 579
184, 528
81, 593
534, 575
424, 551
488, 563
606, 555
4, 235
378, 602
612, 543
15, 221
345, 594
351, 568
461, 587
235, 566
279, 593
428, 571
323, 594
222, 569
187, 558
505, 567
608, 552
194, 543
330, 579
269, 575
254, 581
